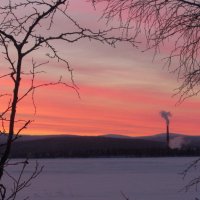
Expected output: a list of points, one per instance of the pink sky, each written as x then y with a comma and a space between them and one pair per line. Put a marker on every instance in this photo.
122, 91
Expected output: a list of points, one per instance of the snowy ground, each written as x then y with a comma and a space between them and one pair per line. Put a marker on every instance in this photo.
104, 179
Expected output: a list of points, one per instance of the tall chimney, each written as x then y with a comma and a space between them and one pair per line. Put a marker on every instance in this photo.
168, 147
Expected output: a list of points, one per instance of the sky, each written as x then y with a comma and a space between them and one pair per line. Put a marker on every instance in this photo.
122, 90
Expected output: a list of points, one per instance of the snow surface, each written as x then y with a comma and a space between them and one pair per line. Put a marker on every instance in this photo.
106, 178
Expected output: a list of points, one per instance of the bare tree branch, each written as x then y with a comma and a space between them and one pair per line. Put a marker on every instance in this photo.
27, 26
172, 25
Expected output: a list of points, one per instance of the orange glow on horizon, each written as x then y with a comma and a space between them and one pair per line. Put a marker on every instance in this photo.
122, 91
107, 111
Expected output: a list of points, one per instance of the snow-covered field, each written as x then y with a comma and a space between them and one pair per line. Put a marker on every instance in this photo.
106, 178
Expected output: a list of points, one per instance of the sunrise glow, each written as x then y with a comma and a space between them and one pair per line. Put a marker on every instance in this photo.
121, 90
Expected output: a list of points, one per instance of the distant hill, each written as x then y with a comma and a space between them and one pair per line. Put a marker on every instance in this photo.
117, 136
53, 146
162, 136
83, 146
186, 140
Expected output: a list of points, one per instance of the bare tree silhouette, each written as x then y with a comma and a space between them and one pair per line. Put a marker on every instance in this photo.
27, 26
171, 24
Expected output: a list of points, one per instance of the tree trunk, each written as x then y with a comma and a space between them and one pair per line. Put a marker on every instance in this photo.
12, 117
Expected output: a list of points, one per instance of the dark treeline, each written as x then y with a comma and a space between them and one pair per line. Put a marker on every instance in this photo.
86, 147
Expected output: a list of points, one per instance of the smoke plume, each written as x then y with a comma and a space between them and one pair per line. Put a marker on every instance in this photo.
165, 115
177, 143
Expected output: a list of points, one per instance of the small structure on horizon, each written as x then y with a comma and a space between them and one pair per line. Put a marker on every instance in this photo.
166, 115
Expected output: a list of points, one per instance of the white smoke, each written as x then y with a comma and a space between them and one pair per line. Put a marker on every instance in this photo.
177, 142
165, 115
